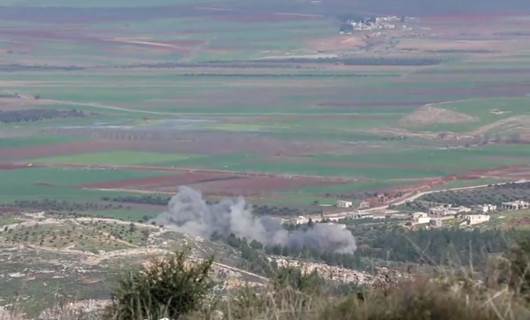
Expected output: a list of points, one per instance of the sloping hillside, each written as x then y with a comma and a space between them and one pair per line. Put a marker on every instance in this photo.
430, 115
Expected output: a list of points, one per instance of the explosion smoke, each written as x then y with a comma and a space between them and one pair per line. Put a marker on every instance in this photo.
189, 213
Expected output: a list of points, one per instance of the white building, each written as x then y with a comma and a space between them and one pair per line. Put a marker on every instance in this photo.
362, 215
301, 220
438, 211
473, 219
364, 205
344, 204
443, 210
448, 210
486, 208
515, 205
420, 218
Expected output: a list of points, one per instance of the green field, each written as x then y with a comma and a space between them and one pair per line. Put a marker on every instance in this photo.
64, 184
295, 111
107, 107
202, 89
23, 142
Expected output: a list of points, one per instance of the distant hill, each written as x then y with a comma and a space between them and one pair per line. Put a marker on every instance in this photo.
431, 7
397, 7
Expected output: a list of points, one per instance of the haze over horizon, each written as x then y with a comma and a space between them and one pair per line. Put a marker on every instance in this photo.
26, 9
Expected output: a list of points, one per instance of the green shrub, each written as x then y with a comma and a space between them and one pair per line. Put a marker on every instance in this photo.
166, 288
296, 279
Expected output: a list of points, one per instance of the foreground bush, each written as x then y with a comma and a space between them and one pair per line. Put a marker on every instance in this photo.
167, 287
175, 287
519, 261
290, 295
414, 300
429, 300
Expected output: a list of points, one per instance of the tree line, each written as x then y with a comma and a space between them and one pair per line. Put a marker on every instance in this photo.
32, 115
494, 194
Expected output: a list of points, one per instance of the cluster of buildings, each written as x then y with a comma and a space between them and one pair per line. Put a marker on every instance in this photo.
333, 217
434, 217
372, 24
341, 210
448, 210
466, 216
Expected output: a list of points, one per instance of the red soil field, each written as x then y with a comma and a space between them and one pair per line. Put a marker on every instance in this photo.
509, 172
218, 183
12, 166
77, 36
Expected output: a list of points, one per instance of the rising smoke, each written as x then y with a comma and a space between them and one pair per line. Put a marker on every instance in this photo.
189, 213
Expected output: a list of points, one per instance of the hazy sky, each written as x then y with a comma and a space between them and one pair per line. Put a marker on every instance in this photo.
331, 7
444, 6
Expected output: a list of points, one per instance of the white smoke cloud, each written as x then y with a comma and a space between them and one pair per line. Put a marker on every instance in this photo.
189, 213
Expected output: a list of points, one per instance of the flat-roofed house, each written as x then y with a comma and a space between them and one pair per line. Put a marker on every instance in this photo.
472, 219
516, 205
485, 208
344, 204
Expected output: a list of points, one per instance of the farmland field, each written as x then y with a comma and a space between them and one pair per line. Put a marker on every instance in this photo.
286, 107
267, 101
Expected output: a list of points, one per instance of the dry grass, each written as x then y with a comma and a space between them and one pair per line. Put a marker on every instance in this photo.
501, 293
452, 293
415, 300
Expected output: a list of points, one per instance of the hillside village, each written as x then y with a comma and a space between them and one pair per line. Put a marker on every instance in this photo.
434, 215
351, 25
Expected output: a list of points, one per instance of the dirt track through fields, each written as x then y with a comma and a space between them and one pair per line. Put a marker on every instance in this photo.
104, 106
216, 183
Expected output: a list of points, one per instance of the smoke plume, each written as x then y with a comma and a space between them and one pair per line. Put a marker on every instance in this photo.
189, 213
